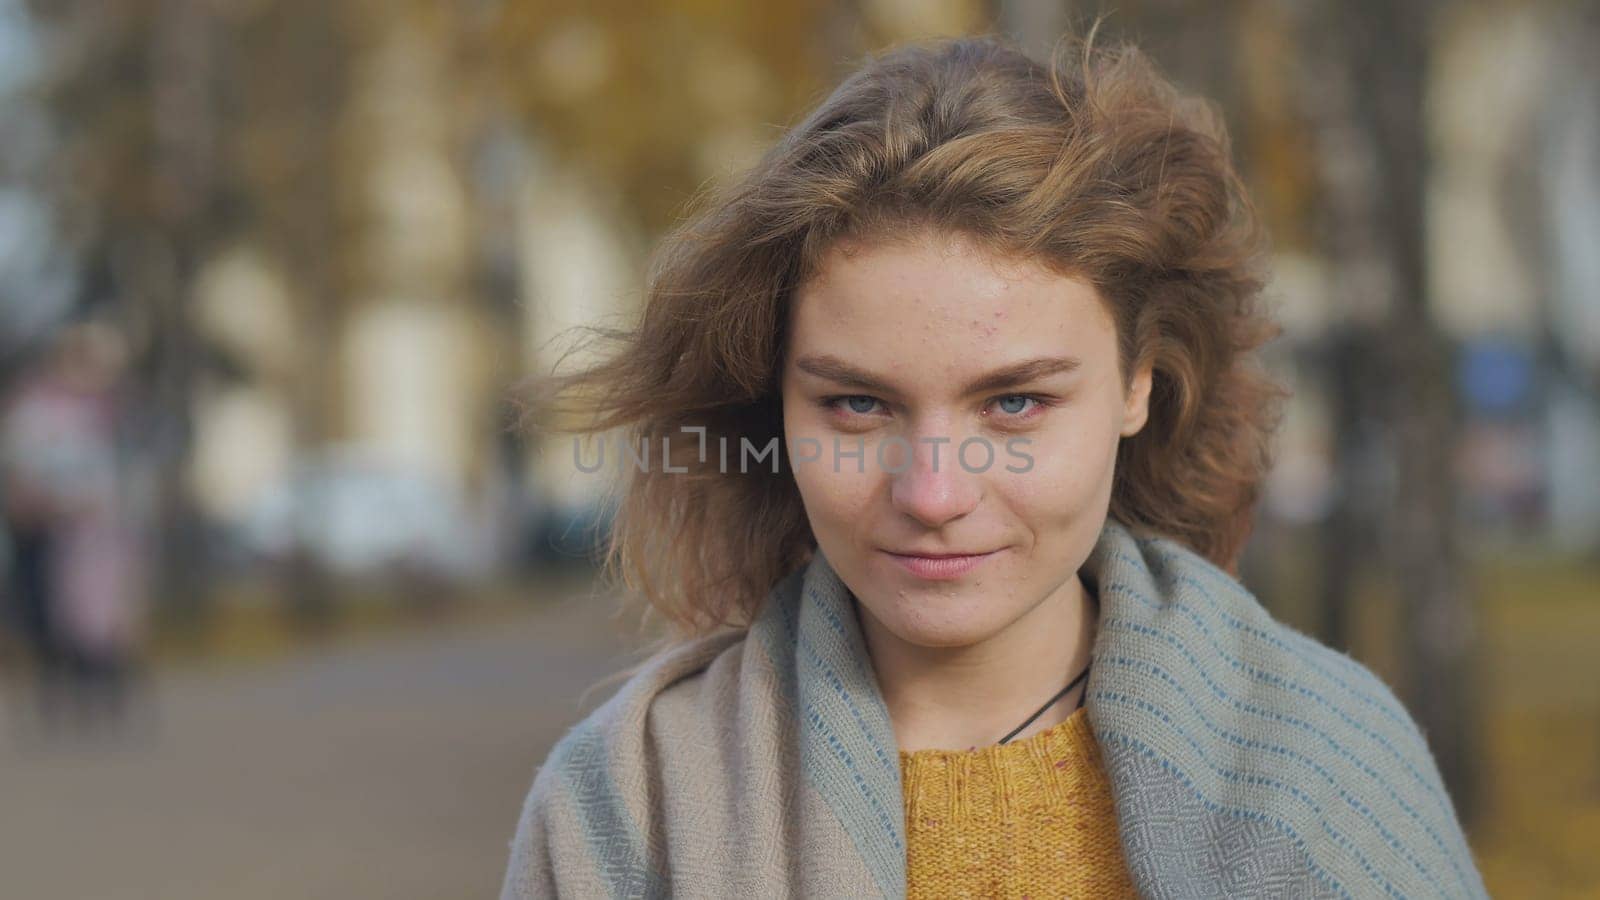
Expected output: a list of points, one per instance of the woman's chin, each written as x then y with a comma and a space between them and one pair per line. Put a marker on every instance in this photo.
958, 629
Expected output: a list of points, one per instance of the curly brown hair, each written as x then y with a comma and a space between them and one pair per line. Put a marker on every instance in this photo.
1092, 163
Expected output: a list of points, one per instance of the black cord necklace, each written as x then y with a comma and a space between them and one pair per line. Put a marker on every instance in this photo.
1094, 598
1063, 692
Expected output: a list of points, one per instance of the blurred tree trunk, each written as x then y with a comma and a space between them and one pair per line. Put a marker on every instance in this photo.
1385, 50
1342, 535
302, 90
183, 134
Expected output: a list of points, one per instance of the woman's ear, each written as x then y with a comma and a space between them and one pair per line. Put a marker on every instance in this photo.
1136, 408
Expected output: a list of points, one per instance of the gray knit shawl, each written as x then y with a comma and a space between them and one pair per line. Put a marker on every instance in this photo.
1246, 759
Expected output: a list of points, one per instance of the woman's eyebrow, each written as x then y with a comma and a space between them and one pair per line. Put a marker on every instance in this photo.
837, 370
832, 368
1022, 373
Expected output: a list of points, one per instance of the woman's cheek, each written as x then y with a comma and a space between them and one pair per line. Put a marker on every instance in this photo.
1064, 469
847, 491
830, 497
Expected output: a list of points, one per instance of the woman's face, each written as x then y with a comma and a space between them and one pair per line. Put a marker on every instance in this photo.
984, 397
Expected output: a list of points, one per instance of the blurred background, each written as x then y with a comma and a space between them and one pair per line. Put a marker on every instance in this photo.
290, 608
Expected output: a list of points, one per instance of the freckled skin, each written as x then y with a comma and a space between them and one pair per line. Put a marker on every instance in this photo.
929, 316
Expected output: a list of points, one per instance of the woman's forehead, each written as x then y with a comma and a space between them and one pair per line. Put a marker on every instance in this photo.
946, 299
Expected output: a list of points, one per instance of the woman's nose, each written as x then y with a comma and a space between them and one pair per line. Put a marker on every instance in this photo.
933, 486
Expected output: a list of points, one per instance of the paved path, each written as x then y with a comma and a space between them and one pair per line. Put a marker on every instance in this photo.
392, 766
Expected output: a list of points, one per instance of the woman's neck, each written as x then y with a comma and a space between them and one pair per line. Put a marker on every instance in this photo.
954, 698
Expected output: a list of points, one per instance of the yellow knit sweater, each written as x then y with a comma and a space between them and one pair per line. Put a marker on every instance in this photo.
1032, 818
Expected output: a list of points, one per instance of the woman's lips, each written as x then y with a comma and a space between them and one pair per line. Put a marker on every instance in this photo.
940, 568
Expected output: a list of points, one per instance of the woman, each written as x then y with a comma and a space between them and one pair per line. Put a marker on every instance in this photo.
955, 412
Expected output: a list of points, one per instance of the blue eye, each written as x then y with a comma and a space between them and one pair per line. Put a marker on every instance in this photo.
862, 399
1020, 399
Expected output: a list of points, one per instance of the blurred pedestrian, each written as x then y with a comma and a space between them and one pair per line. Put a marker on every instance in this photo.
75, 574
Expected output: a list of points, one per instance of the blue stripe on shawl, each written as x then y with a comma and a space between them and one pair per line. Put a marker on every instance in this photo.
840, 724
830, 756
614, 841
1386, 708
1377, 704
844, 723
